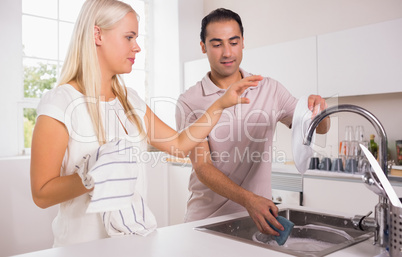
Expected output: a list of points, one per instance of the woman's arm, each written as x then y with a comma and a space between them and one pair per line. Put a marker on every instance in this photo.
166, 139
49, 144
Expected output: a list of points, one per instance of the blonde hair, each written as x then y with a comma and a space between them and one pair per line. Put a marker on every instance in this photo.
81, 62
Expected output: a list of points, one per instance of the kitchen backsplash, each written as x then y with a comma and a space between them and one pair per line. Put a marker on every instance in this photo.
386, 107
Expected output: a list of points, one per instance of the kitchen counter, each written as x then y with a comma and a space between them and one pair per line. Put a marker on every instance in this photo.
183, 241
291, 169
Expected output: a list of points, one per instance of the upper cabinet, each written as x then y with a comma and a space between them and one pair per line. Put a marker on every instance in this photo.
293, 63
361, 61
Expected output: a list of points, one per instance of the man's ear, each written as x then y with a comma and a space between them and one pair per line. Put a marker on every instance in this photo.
97, 36
203, 48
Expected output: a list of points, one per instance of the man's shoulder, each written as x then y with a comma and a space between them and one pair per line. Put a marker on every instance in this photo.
193, 92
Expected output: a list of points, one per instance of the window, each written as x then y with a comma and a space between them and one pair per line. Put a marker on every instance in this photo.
46, 30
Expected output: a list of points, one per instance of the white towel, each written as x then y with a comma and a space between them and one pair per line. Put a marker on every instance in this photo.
135, 219
113, 173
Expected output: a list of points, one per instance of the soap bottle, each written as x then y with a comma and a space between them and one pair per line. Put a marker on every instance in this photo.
373, 147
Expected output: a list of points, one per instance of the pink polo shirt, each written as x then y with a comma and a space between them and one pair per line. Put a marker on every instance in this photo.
241, 142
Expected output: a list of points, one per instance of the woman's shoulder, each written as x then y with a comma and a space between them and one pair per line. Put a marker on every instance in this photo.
135, 99
65, 91
55, 102
59, 97
131, 92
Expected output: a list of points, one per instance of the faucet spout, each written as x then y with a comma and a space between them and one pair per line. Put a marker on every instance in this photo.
362, 112
381, 209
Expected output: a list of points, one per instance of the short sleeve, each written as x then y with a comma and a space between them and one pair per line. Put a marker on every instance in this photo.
65, 104
139, 105
53, 104
184, 114
287, 104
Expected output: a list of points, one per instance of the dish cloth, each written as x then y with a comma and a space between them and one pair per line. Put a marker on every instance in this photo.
283, 235
113, 174
134, 219
300, 123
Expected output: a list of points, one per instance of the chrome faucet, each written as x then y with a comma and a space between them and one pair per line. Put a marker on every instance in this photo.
382, 208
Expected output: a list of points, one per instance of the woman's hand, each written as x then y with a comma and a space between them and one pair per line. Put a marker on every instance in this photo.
233, 94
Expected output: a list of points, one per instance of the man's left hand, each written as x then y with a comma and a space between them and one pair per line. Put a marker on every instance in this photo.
316, 104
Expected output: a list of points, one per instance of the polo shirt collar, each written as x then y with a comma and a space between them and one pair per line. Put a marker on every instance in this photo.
210, 88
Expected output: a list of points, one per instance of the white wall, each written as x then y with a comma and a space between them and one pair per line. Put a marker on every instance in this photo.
165, 64
190, 13
272, 22
11, 75
269, 22
26, 227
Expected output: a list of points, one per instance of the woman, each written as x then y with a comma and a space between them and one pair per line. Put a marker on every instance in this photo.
91, 106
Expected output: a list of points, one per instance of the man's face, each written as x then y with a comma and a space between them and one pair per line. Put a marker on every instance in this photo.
224, 47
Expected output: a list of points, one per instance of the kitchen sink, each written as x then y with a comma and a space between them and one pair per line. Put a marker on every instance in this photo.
314, 233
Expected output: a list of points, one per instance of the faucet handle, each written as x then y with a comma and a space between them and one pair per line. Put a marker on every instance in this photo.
368, 214
364, 223
372, 183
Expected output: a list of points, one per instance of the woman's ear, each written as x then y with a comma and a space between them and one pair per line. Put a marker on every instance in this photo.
97, 36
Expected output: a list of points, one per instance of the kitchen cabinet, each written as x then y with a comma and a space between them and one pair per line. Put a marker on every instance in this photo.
293, 63
157, 175
337, 194
24, 226
360, 61
179, 176
167, 191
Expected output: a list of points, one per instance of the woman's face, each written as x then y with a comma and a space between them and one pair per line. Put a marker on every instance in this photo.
117, 47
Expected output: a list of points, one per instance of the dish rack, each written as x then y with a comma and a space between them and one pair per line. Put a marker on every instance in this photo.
395, 231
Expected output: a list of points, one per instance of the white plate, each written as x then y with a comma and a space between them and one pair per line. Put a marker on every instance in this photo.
300, 123
389, 190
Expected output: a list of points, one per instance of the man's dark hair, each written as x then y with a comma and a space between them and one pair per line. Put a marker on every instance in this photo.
219, 14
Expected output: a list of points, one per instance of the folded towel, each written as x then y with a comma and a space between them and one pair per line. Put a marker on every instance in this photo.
135, 219
113, 174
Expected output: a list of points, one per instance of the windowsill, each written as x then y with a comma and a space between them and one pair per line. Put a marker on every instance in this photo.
17, 157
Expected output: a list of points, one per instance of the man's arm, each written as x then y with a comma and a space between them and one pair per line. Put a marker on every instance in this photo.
258, 207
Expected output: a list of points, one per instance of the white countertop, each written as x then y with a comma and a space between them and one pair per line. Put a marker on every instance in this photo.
291, 169
183, 241
322, 174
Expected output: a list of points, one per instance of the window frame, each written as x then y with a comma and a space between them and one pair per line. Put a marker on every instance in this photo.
25, 102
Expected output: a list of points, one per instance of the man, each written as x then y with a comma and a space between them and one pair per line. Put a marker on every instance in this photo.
232, 168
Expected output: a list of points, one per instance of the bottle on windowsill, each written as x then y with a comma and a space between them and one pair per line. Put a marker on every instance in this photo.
373, 147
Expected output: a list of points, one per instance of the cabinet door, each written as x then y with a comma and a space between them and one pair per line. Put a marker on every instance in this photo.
293, 63
342, 196
360, 61
157, 188
179, 176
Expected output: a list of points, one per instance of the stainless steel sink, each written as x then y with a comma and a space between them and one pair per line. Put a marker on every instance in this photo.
314, 234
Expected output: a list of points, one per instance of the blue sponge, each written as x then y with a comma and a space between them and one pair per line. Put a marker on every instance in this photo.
283, 235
